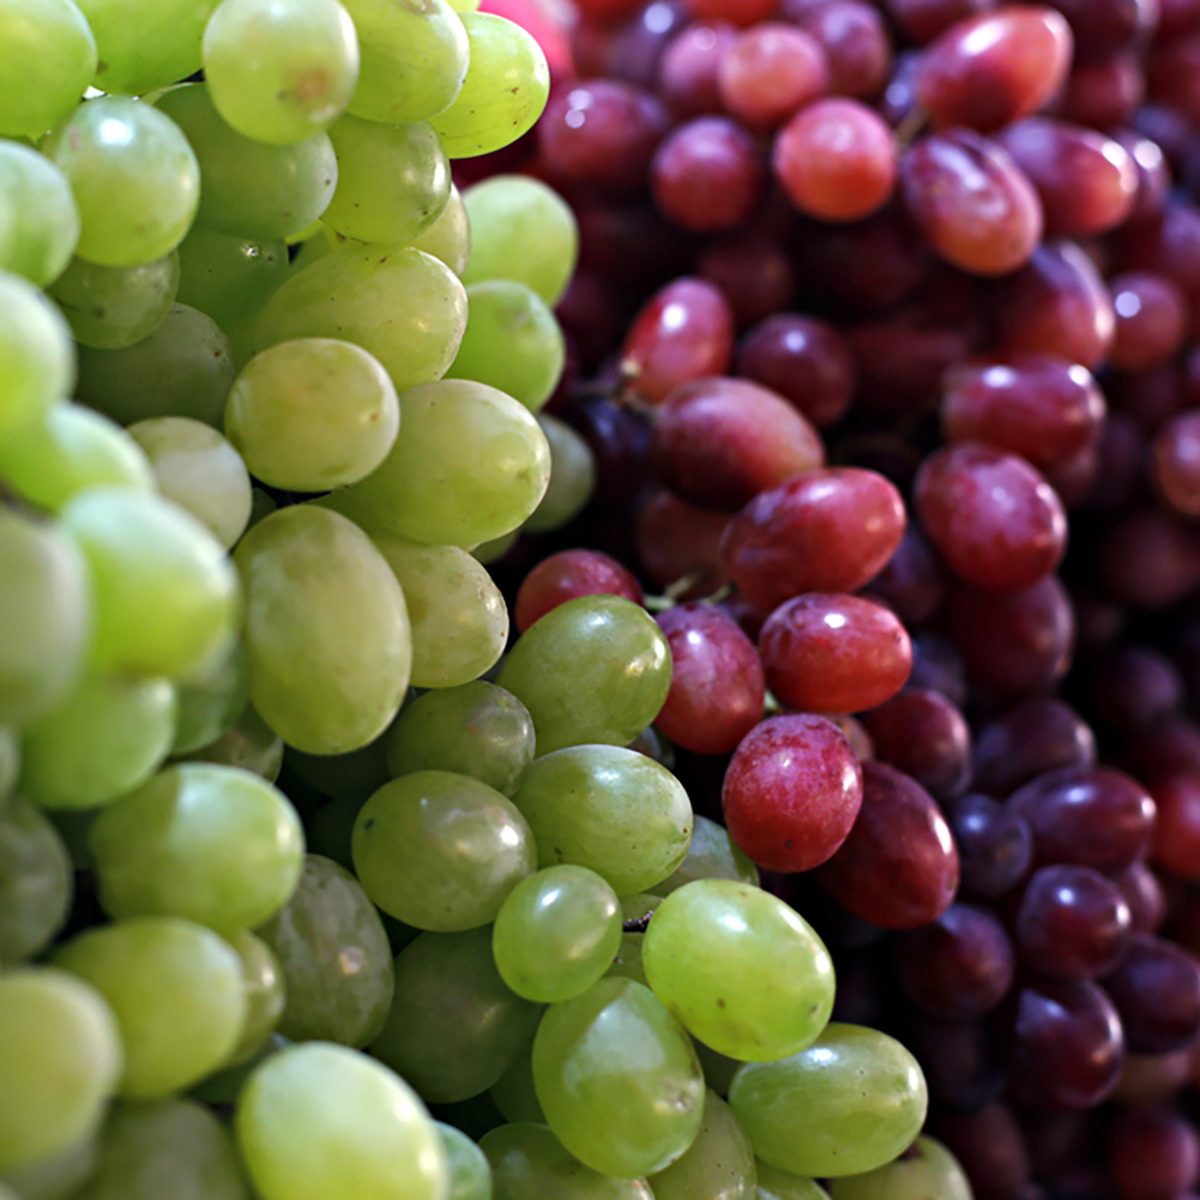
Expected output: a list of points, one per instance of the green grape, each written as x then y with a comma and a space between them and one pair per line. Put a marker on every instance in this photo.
200, 471
218, 846
572, 477
928, 1169
477, 729
719, 1165
10, 761
557, 934
514, 1094
441, 851
414, 59
432, 487
110, 308
496, 548
313, 581
250, 744
36, 881
211, 700
47, 59
459, 619
330, 832
513, 342
406, 308
449, 237
521, 230
312, 414
280, 70
56, 1178
321, 1122
352, 776
712, 855
618, 1079
262, 983
62, 1058
627, 964
464, 6
596, 669
45, 224
505, 89
247, 188
183, 369
45, 612
774, 1184
173, 1148
337, 965
135, 179
610, 809
176, 991
37, 363
849, 1103
108, 736
165, 596
469, 1173
454, 1028
528, 1160
393, 180
226, 1085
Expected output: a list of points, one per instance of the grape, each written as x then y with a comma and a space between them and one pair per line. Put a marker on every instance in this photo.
618, 1079
449, 237
62, 1058
769, 72
922, 734
927, 1169
110, 308
262, 985
513, 1093
774, 1184
1153, 1152
335, 958
249, 744
49, 58
528, 1160
569, 575
53, 1178
321, 1122
688, 77
467, 1167
638, 909
1175, 464
712, 854
849, 1103
36, 881
211, 700
45, 222
1151, 320
10, 760
572, 478
36, 364
707, 175
280, 73
343, 776
1156, 990
719, 1165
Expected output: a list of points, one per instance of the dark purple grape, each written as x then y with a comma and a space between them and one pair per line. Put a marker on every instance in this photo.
1153, 1153
1144, 894
1156, 989
963, 1063
1133, 687
995, 846
990, 1147
922, 734
1030, 739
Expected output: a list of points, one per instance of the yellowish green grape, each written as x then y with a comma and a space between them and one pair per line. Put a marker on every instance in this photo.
637, 910
176, 990
62, 1058
113, 307
135, 179
849, 1103
262, 984
927, 1169
774, 1184
10, 760
249, 744
468, 1169
36, 881
712, 855
521, 230
719, 1164
496, 548
618, 1079
280, 70
37, 362
211, 699
312, 414
572, 477
312, 579
393, 180
449, 237
514, 1094
596, 669
55, 1178
505, 89
45, 223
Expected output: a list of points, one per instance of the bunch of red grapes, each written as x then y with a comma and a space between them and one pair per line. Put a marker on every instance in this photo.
882, 338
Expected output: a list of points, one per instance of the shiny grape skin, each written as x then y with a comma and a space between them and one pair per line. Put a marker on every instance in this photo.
1153, 1152
922, 734
1176, 845
1176, 465
1027, 740
995, 846
569, 575
1156, 989
1144, 895
1152, 318
769, 72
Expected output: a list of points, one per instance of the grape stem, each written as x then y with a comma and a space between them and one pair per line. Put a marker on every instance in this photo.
638, 924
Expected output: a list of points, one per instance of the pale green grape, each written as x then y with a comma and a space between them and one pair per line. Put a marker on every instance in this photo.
55, 1178
469, 1173
477, 729
849, 1103
37, 363
612, 810
321, 1122
572, 477
280, 70
165, 596
449, 237
405, 307
176, 991
110, 308
135, 179
618, 1079
47, 59
10, 760
743, 971
719, 1165
528, 1160
514, 1094
45, 612
513, 342
336, 962
352, 776
312, 414
441, 851
315, 583
200, 471
173, 1148
557, 933
639, 907
36, 881
434, 486
219, 846
248, 188
45, 223
262, 983
250, 744
774, 1184
504, 92
712, 855
62, 1058
183, 369
108, 736
459, 619
496, 548
521, 230
928, 1169
211, 700
414, 59
454, 1028
393, 180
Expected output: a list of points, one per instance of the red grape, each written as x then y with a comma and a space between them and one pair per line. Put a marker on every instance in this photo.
901, 363
1156, 988
1173, 75
995, 846
1177, 829
1153, 175
688, 69
855, 42
736, 12
754, 273
1105, 94
1152, 320
568, 575
770, 71
1176, 468
912, 582
707, 175
1152, 1154
1027, 740
1167, 245
990, 1148
678, 542
922, 734
1104, 27
1144, 895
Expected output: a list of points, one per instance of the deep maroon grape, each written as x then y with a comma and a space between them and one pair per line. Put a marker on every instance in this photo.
568, 575
637, 46
1144, 895
923, 20
1156, 989
1166, 245
1104, 27
963, 1061
1177, 828
1153, 175
1164, 748
1172, 71
990, 1148
1150, 560
1103, 95
1153, 1078
922, 734
1030, 739
679, 545
753, 272
901, 361
1153, 1153
995, 846
736, 12
912, 583
620, 444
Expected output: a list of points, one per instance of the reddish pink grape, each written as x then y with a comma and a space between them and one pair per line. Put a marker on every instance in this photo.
995, 846
1027, 740
770, 71
1144, 894
1152, 319
754, 273
1153, 174
923, 20
856, 45
736, 12
1177, 830
990, 1148
1150, 560
1156, 989
912, 582
1166, 245
688, 69
568, 575
1105, 27
1176, 466
922, 734
792, 792
1153, 1153
679, 543
1104, 94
